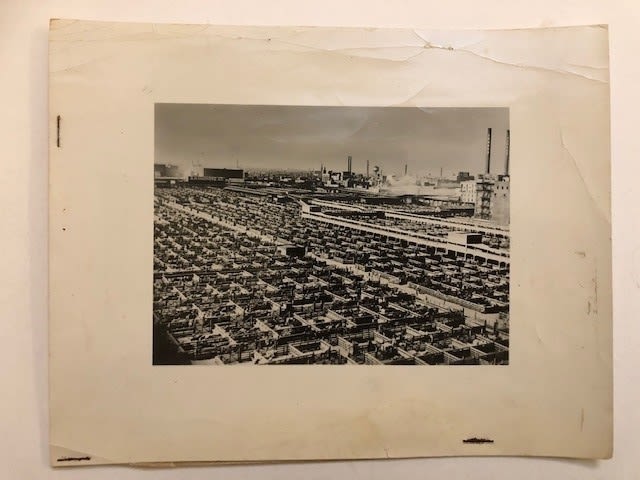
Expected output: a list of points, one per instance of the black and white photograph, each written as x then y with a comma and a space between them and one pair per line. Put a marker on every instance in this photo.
330, 235
327, 196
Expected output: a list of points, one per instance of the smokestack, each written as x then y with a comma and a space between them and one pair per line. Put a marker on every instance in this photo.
367, 168
508, 146
349, 164
405, 169
488, 169
440, 172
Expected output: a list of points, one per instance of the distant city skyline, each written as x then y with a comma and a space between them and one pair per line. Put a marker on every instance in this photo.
259, 137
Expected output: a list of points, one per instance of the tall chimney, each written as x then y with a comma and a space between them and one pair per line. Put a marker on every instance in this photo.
508, 146
349, 164
488, 169
405, 169
367, 168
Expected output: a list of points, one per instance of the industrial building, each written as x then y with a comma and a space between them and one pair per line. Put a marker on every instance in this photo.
500, 200
468, 191
490, 193
226, 173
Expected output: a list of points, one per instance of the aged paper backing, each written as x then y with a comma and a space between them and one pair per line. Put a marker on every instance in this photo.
110, 405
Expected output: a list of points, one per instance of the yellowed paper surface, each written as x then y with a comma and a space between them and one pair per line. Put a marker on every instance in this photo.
109, 404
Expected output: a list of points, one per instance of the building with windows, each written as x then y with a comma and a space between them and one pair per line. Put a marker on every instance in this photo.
484, 193
226, 173
500, 199
468, 191
463, 177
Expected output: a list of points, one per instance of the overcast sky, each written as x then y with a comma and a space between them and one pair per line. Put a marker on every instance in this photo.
283, 137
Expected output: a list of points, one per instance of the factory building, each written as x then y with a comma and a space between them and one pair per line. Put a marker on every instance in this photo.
207, 181
484, 193
218, 177
500, 199
468, 191
226, 173
463, 177
492, 193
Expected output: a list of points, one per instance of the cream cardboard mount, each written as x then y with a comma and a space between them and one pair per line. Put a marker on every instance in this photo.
109, 404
